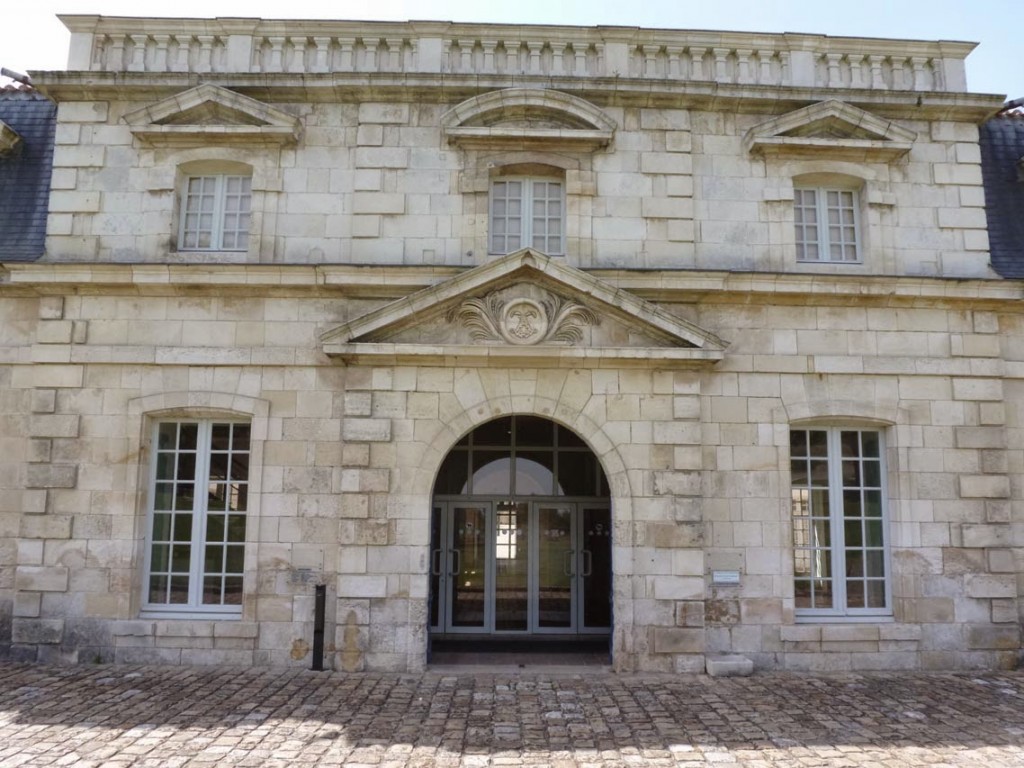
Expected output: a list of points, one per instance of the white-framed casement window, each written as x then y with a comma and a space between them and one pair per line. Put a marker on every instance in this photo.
215, 213
527, 212
827, 224
839, 517
199, 493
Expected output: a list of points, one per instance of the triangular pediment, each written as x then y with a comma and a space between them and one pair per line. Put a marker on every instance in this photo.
830, 129
525, 308
525, 118
209, 114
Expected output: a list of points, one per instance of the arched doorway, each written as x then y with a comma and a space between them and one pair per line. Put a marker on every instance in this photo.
521, 540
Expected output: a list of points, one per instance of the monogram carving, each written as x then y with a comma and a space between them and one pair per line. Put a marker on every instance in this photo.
524, 321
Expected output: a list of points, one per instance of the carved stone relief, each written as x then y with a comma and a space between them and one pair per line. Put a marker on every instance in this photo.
543, 318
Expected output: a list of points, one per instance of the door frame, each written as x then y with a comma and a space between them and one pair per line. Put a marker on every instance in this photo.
443, 562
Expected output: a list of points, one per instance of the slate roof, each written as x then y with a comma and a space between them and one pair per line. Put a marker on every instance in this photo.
1002, 169
25, 173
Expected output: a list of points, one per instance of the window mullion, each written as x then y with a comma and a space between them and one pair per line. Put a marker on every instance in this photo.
526, 229
835, 492
202, 481
219, 199
824, 252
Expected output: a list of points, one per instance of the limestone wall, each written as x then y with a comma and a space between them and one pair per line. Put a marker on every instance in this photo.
377, 182
345, 458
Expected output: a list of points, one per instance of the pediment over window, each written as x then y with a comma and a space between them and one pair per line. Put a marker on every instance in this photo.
528, 118
9, 138
830, 129
209, 114
524, 308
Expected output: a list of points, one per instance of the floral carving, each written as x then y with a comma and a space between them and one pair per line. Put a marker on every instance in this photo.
524, 321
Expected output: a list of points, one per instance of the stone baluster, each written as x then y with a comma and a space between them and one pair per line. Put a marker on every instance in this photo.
744, 75
370, 62
920, 76
205, 62
557, 53
160, 63
834, 79
181, 54
394, 53
115, 58
322, 54
856, 70
674, 62
579, 66
512, 53
649, 65
697, 71
765, 59
721, 64
466, 55
786, 68
347, 60
276, 59
297, 61
877, 80
490, 62
534, 62
138, 60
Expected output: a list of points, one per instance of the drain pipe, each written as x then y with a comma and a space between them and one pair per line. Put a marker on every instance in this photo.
319, 609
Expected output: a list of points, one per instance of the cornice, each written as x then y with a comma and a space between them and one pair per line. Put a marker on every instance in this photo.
396, 281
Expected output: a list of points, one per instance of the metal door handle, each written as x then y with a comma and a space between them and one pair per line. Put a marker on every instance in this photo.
435, 563
456, 563
568, 562
588, 562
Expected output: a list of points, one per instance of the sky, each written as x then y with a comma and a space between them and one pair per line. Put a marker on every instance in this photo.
31, 37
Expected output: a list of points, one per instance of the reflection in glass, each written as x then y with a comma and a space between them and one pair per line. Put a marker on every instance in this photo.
557, 567
492, 473
512, 567
535, 473
468, 568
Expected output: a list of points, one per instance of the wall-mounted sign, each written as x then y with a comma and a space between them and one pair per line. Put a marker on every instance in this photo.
725, 578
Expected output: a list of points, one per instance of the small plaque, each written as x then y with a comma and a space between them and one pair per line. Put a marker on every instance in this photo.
726, 578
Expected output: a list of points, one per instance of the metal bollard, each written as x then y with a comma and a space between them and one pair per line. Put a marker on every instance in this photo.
319, 609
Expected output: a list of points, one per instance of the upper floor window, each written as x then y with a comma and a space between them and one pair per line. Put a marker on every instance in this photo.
826, 224
215, 213
199, 491
527, 212
840, 562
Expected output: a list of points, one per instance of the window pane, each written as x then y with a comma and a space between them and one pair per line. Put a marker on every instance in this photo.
818, 441
492, 473
158, 589
161, 527
212, 590
577, 473
181, 558
535, 473
533, 431
235, 560
497, 432
233, 590
854, 593
876, 594
179, 589
182, 527
160, 558
213, 562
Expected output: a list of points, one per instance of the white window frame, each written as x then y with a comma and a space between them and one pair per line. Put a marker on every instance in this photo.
840, 611
825, 239
194, 607
528, 200
219, 231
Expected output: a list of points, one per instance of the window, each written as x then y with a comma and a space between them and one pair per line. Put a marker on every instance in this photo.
215, 213
826, 224
840, 561
199, 487
527, 211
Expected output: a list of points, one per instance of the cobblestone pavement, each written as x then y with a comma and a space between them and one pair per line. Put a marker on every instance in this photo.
196, 716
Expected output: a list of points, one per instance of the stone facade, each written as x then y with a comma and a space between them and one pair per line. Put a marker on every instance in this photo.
700, 343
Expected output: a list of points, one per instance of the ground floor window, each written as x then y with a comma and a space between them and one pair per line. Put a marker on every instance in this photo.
199, 483
840, 555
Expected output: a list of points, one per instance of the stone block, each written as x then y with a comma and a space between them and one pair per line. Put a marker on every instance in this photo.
984, 486
978, 535
800, 633
1005, 611
848, 633
987, 636
990, 585
366, 430
677, 640
384, 113
53, 425
730, 665
678, 588
27, 604
350, 586
40, 578
690, 613
51, 476
760, 610
37, 631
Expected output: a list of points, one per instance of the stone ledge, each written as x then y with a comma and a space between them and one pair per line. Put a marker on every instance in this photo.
730, 665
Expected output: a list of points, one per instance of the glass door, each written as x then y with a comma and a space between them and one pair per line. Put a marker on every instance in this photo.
595, 572
467, 568
512, 559
557, 569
